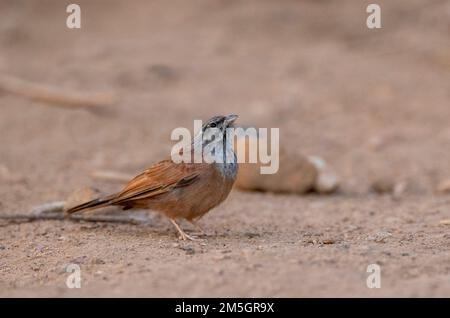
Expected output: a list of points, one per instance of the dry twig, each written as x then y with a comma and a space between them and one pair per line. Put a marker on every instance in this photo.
52, 95
55, 211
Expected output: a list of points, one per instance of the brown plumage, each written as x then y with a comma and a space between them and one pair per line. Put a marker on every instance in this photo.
178, 190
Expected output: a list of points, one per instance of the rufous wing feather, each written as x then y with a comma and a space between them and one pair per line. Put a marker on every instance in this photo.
158, 179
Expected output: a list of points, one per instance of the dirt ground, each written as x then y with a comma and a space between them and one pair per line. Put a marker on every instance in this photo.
373, 103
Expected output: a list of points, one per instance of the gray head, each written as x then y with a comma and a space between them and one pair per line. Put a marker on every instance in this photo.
220, 122
214, 130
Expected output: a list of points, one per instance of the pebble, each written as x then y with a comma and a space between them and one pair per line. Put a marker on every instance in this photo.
383, 185
190, 250
97, 261
326, 181
251, 234
380, 237
389, 186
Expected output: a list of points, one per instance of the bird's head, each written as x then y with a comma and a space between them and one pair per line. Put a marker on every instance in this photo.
220, 122
214, 130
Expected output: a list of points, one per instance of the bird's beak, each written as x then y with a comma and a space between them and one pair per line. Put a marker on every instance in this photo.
230, 119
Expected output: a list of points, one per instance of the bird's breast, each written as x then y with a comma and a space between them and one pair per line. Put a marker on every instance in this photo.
227, 170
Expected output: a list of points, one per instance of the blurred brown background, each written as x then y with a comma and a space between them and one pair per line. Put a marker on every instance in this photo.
373, 103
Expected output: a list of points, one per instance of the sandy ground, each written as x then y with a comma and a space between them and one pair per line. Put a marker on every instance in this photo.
373, 103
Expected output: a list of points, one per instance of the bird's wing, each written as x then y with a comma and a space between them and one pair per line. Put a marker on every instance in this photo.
158, 179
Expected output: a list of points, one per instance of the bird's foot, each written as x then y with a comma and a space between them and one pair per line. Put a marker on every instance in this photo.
183, 235
186, 237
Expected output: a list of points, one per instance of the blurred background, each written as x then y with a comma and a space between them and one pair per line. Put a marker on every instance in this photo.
373, 103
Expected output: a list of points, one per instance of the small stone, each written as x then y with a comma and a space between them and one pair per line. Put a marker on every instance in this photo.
35, 268
188, 249
328, 241
383, 186
380, 237
445, 222
326, 181
389, 186
97, 261
251, 235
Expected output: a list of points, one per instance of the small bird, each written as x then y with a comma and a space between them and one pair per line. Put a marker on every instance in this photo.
185, 190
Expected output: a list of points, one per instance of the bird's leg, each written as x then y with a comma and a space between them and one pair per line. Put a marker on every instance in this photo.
183, 235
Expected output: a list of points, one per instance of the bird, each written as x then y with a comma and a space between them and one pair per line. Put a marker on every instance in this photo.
183, 190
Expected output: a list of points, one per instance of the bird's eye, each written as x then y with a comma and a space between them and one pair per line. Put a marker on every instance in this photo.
213, 125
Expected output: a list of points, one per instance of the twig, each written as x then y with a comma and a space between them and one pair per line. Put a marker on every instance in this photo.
52, 95
57, 206
55, 211
23, 218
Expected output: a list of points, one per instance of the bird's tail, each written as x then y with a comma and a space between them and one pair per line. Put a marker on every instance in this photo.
91, 205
